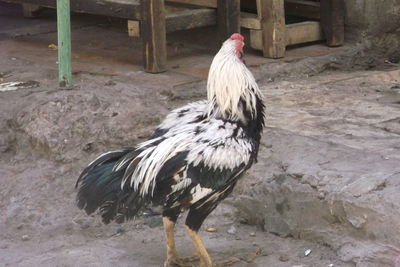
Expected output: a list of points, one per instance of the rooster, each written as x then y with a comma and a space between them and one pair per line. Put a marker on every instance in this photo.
192, 161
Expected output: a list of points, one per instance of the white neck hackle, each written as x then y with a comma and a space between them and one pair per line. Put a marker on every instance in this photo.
229, 80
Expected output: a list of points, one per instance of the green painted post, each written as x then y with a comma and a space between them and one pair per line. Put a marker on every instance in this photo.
64, 43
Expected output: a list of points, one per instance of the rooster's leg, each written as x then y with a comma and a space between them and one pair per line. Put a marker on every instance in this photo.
172, 255
195, 218
205, 260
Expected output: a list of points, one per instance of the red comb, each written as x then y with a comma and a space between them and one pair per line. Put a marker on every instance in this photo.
237, 36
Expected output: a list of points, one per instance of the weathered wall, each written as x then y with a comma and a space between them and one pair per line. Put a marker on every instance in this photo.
371, 17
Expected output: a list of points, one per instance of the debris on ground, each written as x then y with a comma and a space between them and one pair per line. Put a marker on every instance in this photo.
12, 86
232, 230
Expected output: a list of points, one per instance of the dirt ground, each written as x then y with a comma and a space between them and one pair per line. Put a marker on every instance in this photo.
324, 193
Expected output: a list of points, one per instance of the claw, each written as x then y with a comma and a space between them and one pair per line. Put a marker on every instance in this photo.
227, 262
178, 263
191, 258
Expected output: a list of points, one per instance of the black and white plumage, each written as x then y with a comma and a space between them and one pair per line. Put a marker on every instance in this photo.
194, 158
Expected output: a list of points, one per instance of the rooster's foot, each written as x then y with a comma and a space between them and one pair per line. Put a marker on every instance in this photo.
227, 262
181, 262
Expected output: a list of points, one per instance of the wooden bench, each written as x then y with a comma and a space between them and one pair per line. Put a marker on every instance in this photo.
270, 33
152, 19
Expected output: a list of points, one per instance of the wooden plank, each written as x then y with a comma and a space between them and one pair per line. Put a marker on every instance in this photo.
129, 9
296, 33
228, 18
303, 32
273, 27
153, 33
303, 8
180, 19
30, 10
190, 19
256, 39
133, 28
64, 43
250, 21
332, 20
204, 3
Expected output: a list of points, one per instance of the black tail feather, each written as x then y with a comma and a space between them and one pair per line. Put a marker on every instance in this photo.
99, 187
111, 156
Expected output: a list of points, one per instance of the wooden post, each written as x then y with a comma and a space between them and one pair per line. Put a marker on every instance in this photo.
273, 27
30, 10
228, 18
64, 43
153, 33
332, 21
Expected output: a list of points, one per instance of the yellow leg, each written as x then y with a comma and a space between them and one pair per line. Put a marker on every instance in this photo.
205, 260
169, 228
172, 255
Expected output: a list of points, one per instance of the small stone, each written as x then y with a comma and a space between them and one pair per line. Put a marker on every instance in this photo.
13, 58
252, 234
331, 265
154, 221
357, 222
118, 229
211, 229
307, 252
110, 83
148, 213
232, 230
284, 258
321, 195
312, 180
66, 168
25, 237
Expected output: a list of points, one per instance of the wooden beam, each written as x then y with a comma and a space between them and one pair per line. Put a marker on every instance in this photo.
256, 41
296, 33
153, 36
30, 10
183, 19
64, 43
133, 28
303, 8
273, 27
303, 32
228, 18
332, 20
190, 19
204, 3
250, 21
129, 9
